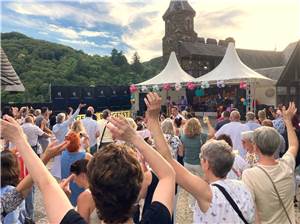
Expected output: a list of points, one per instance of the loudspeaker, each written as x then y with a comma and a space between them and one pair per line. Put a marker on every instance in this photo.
74, 92
87, 92
58, 92
101, 91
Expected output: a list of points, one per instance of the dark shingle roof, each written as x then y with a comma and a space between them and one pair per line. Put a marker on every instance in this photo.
272, 73
252, 58
261, 59
10, 81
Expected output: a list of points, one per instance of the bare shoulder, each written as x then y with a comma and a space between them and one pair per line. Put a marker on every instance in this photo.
85, 197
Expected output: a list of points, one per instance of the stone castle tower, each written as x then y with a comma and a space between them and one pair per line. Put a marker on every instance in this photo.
179, 27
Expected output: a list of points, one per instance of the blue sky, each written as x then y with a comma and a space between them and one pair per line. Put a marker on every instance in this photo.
96, 27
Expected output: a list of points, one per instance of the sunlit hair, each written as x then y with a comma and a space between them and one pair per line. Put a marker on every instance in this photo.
167, 126
78, 127
115, 178
74, 141
192, 128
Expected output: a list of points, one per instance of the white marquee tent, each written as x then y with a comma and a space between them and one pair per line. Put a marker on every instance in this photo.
172, 74
232, 70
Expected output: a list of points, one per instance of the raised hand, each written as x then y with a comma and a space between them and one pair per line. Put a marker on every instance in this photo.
10, 129
81, 105
121, 129
65, 185
153, 102
290, 112
55, 149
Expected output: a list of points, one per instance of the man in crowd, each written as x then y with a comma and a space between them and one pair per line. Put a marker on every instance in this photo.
234, 130
32, 132
105, 134
90, 108
60, 129
92, 129
175, 113
278, 123
251, 123
225, 120
272, 181
42, 121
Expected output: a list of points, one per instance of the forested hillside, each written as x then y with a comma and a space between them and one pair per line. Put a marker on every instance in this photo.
39, 63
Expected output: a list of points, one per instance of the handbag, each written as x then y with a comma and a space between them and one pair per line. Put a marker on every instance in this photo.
100, 143
276, 191
231, 201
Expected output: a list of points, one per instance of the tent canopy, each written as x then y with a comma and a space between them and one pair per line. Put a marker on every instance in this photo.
172, 74
233, 70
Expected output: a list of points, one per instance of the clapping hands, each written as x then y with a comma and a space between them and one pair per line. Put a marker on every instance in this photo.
121, 129
290, 112
153, 102
10, 129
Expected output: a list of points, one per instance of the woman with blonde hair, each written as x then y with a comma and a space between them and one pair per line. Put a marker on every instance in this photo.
78, 128
192, 139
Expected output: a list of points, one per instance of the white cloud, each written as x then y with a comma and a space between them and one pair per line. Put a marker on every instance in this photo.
88, 33
80, 43
255, 24
66, 32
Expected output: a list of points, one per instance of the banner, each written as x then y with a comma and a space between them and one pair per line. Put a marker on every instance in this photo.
124, 113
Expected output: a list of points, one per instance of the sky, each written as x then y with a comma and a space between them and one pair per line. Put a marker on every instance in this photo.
98, 26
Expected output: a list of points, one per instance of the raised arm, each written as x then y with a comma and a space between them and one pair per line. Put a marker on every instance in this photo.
191, 183
52, 193
288, 115
74, 115
165, 190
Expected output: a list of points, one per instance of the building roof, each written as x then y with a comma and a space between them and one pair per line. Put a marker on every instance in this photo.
176, 5
10, 81
233, 70
252, 58
272, 73
172, 74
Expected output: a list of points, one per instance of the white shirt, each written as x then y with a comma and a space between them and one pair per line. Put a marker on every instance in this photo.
238, 167
32, 132
234, 130
91, 126
221, 211
60, 130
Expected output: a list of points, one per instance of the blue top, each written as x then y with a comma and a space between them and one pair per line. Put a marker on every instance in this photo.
67, 158
18, 215
192, 148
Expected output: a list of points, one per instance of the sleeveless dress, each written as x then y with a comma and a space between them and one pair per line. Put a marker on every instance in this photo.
67, 158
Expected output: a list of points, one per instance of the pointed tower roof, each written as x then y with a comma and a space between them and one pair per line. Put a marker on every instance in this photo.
10, 81
179, 5
232, 69
172, 74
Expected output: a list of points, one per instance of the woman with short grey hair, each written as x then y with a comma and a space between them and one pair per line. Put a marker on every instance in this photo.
216, 160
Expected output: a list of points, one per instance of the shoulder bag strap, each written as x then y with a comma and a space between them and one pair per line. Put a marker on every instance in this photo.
276, 191
102, 136
231, 201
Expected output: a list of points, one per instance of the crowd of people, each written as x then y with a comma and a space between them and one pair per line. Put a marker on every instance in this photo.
125, 170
